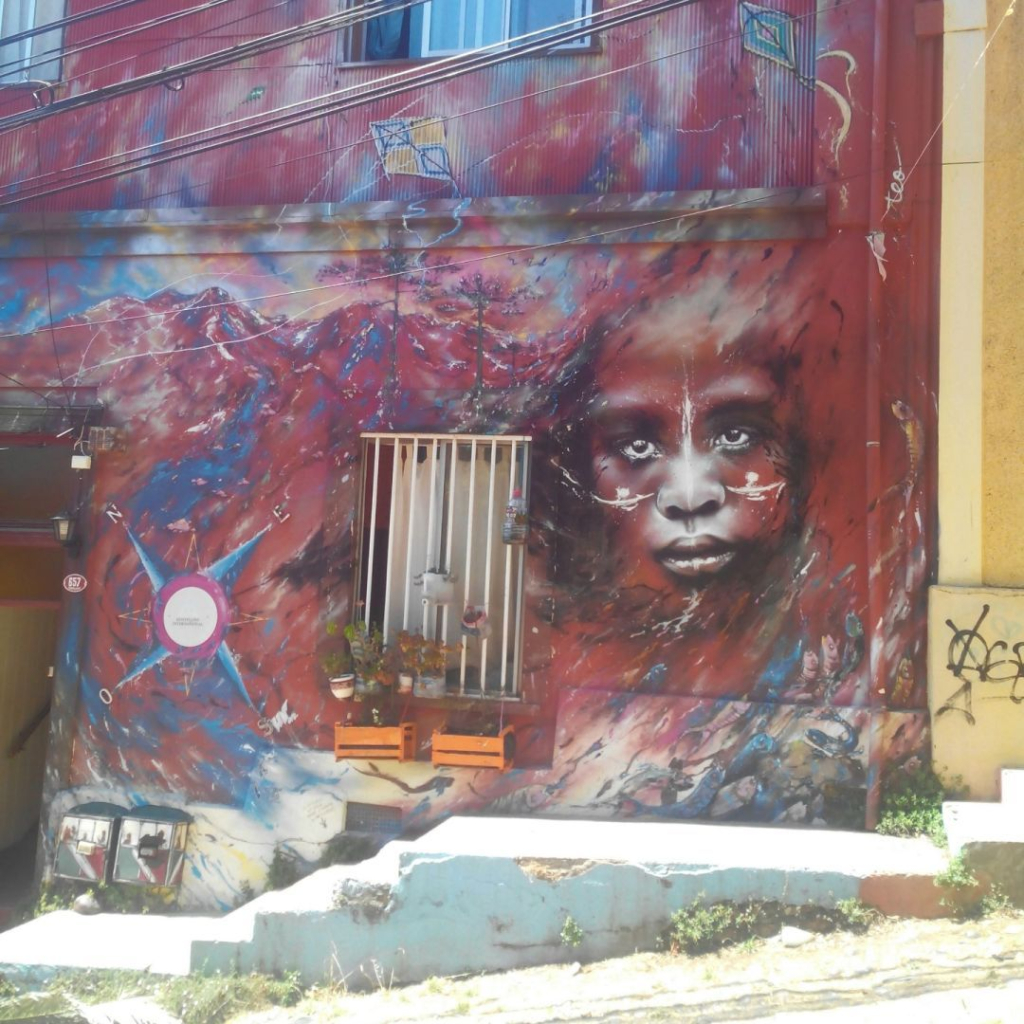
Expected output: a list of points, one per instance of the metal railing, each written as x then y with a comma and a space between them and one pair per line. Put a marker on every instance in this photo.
446, 497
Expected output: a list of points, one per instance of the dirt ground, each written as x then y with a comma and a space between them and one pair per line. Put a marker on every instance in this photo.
895, 959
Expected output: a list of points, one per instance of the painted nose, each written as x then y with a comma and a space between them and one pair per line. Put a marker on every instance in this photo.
691, 488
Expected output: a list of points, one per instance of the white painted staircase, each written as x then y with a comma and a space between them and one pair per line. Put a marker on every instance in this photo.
1003, 822
991, 835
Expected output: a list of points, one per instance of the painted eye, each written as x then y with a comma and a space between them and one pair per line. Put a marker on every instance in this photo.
734, 439
638, 450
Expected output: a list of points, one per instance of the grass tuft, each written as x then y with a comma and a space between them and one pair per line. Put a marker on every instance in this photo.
912, 804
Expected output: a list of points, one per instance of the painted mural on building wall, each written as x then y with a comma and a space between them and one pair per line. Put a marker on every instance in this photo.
723, 610
568, 123
697, 638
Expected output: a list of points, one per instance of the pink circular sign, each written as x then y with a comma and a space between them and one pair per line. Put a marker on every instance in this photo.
190, 614
75, 583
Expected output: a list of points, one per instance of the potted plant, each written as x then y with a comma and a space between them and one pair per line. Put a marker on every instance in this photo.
432, 661
367, 646
408, 647
487, 745
338, 666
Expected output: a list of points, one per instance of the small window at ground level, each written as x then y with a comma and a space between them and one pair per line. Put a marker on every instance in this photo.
441, 27
28, 57
442, 551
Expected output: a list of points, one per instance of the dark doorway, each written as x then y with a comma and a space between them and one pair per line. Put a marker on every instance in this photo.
36, 483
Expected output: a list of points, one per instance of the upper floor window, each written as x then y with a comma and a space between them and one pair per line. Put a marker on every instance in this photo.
441, 27
29, 58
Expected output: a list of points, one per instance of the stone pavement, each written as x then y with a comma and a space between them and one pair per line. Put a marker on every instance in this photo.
928, 972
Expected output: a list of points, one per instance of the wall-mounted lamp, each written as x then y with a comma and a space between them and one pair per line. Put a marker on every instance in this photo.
66, 533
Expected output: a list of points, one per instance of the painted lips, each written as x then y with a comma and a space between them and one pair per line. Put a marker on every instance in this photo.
693, 560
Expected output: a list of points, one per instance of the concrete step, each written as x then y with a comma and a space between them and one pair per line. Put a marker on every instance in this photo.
972, 823
1012, 787
481, 894
493, 894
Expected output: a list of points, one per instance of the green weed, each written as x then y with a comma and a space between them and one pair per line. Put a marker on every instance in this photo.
348, 848
212, 999
103, 986
705, 927
61, 894
246, 894
284, 869
912, 803
995, 903
572, 933
855, 916
957, 881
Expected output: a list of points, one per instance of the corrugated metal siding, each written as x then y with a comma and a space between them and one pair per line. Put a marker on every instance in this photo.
26, 650
670, 103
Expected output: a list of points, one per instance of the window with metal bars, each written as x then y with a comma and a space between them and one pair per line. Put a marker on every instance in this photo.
441, 550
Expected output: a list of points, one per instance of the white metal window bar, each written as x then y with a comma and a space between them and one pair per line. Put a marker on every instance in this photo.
446, 502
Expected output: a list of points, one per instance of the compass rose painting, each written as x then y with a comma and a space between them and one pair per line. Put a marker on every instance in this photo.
190, 614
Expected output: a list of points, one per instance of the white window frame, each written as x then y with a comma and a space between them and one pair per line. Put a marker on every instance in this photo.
456, 535
351, 41
581, 8
19, 16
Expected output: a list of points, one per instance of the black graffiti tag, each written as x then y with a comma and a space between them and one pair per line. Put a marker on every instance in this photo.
974, 660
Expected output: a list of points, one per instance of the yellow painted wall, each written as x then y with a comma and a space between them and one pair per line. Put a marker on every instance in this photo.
1003, 321
974, 686
27, 637
31, 573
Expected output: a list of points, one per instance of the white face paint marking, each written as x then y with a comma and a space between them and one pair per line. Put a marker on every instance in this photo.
623, 499
754, 492
688, 461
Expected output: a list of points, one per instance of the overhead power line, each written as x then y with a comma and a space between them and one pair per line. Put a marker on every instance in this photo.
39, 57
367, 138
219, 58
71, 19
348, 98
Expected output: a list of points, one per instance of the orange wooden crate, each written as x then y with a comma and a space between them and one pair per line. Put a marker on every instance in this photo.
449, 748
397, 742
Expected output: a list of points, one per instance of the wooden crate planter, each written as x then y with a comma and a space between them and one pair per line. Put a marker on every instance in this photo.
455, 749
395, 742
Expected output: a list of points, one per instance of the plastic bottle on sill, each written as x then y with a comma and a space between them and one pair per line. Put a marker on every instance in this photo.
513, 530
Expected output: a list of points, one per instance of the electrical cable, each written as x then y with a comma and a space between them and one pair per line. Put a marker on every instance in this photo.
459, 114
71, 19
218, 58
28, 387
444, 118
448, 264
353, 16
435, 72
49, 289
104, 39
